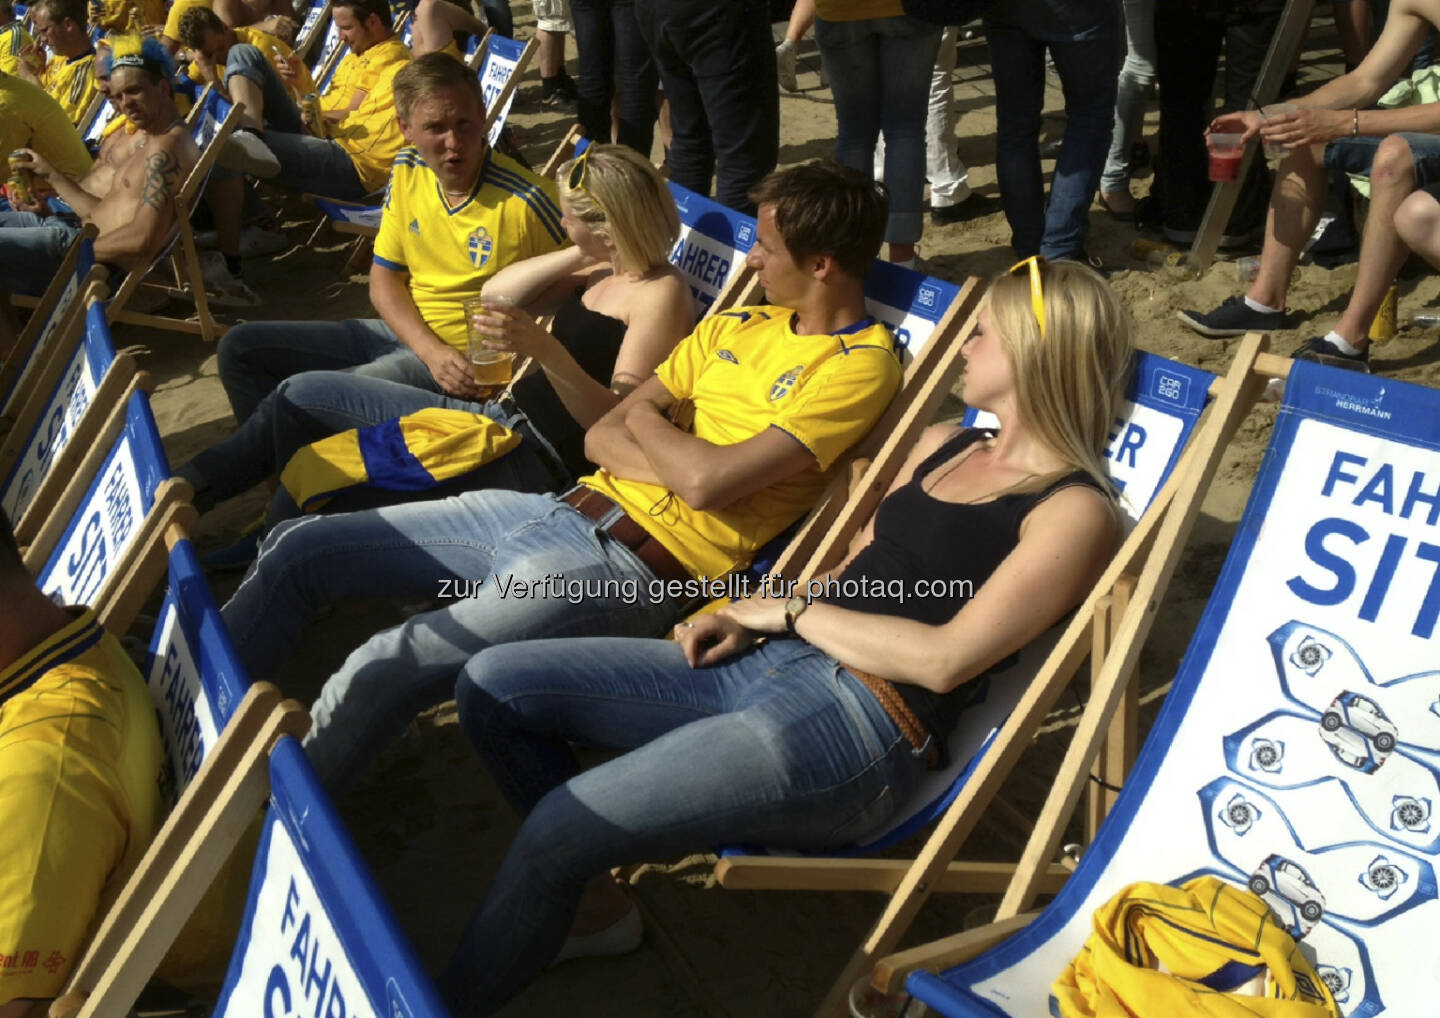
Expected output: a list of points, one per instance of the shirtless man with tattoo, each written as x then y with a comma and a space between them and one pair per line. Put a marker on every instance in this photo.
129, 194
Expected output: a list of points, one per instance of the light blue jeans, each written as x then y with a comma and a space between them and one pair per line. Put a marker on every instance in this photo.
281, 113
31, 249
1137, 81
474, 553
879, 71
779, 746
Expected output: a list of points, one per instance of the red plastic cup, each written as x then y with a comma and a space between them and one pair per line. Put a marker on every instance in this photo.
1225, 154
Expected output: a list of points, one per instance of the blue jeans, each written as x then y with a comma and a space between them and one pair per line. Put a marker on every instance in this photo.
1137, 80
717, 64
281, 113
777, 746
416, 552
614, 61
1086, 62
255, 357
879, 71
316, 404
31, 250
1357, 155
315, 165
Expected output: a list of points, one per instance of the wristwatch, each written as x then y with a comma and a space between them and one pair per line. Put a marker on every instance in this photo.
794, 608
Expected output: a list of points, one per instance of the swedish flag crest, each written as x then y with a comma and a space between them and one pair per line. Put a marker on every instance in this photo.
478, 246
781, 387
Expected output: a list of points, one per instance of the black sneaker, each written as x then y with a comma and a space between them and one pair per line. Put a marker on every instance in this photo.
1322, 351
1233, 318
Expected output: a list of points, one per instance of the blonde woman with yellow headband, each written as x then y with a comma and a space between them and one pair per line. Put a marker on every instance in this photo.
811, 738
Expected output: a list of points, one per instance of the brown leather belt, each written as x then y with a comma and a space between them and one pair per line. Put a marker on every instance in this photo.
656, 556
900, 712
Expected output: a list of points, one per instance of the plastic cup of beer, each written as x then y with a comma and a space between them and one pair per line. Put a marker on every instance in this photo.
1275, 150
1225, 153
489, 368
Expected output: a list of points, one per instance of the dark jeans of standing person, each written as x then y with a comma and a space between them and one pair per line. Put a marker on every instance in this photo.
1019, 33
497, 13
614, 60
716, 60
1188, 41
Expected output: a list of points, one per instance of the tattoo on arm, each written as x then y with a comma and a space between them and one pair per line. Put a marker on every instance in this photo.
161, 173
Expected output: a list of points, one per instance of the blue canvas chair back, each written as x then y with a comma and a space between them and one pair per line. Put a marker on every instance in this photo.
713, 243
317, 937
195, 678
309, 25
909, 302
502, 57
1298, 751
329, 44
68, 402
208, 121
108, 518
104, 113
1164, 402
67, 297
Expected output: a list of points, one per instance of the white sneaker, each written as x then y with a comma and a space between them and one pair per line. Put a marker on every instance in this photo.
785, 65
245, 152
221, 287
256, 242
620, 937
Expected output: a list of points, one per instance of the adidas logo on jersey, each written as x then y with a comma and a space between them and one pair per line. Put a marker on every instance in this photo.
726, 355
415, 226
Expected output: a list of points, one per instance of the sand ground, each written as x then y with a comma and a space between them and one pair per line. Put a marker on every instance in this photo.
429, 821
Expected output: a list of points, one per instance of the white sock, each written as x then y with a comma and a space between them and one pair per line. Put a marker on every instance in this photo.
1255, 305
1335, 339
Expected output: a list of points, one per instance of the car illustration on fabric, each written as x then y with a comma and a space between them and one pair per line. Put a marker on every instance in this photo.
1290, 893
1358, 732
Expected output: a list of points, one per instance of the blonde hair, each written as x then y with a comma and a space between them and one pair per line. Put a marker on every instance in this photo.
624, 198
1069, 383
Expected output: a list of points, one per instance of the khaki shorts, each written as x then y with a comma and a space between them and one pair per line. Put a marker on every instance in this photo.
553, 15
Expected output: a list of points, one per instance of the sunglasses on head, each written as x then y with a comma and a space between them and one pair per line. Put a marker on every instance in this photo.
1037, 293
576, 181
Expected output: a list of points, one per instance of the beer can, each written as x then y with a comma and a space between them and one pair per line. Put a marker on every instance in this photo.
20, 178
310, 105
1383, 327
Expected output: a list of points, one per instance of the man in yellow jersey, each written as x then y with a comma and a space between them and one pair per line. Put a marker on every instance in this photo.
60, 25
14, 40
31, 118
80, 792
363, 134
244, 64
456, 212
778, 392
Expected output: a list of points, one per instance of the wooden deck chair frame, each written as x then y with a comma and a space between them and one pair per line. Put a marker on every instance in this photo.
95, 426
199, 835
45, 365
304, 45
1111, 624
189, 280
41, 308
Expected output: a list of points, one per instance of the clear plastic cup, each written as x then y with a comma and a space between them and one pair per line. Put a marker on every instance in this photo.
1272, 150
1226, 151
489, 368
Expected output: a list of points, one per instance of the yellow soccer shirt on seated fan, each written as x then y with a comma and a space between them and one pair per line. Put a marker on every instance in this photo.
70, 81
80, 798
13, 38
747, 370
31, 118
370, 134
121, 17
266, 44
449, 251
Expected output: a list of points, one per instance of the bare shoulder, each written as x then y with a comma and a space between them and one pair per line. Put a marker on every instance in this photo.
1080, 511
180, 144
933, 438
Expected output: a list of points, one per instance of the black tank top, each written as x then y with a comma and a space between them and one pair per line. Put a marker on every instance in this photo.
593, 340
920, 539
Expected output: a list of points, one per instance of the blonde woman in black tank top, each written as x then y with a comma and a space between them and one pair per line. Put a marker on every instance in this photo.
810, 737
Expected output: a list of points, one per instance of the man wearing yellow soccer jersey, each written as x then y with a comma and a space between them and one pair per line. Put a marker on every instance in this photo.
362, 131
80, 792
60, 25
244, 64
455, 213
31, 118
778, 393
13, 39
